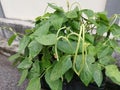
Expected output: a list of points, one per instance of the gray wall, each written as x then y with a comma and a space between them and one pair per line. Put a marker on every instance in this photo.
112, 7
1, 11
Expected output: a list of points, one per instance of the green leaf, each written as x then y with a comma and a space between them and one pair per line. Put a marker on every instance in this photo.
25, 64
97, 74
89, 38
103, 16
42, 30
35, 70
78, 63
91, 50
56, 7
23, 43
89, 13
23, 76
107, 60
61, 67
71, 14
56, 21
49, 39
68, 47
34, 48
103, 51
86, 74
101, 29
113, 73
116, 30
69, 75
14, 57
34, 84
54, 85
11, 39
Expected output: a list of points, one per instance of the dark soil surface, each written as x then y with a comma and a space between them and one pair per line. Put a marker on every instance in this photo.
9, 76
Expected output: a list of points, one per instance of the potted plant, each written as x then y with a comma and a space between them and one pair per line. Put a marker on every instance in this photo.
66, 47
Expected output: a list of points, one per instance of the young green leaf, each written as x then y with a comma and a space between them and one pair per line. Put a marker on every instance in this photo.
23, 76
25, 64
23, 43
61, 67
34, 48
49, 39
113, 73
34, 84
11, 39
54, 85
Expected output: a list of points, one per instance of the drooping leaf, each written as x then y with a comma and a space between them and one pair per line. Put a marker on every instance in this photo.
25, 64
53, 84
11, 39
49, 39
56, 7
14, 57
23, 43
67, 47
35, 70
61, 67
69, 75
107, 60
23, 76
34, 84
113, 73
97, 74
34, 48
86, 74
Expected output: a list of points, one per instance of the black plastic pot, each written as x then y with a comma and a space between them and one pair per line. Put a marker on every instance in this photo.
75, 85
78, 85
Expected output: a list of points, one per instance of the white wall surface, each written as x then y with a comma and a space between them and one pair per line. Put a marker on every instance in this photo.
29, 9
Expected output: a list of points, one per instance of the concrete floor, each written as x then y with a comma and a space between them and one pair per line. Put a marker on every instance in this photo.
9, 76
